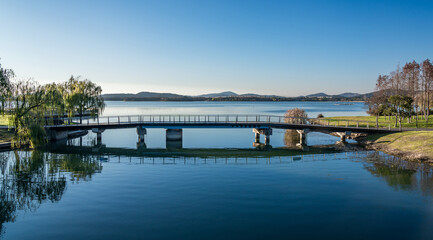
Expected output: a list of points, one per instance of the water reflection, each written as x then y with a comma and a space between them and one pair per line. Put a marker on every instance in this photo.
401, 174
28, 179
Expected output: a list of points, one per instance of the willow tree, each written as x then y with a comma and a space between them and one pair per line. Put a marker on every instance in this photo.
81, 96
5, 78
28, 103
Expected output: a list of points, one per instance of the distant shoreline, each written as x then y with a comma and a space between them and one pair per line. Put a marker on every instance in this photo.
231, 100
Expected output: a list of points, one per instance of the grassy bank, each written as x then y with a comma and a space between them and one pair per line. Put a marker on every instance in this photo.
4, 120
5, 135
384, 122
411, 145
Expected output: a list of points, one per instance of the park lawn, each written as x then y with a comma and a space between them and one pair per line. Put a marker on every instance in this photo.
5, 135
4, 120
370, 121
410, 144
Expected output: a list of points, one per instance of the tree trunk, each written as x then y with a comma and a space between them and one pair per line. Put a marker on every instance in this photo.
400, 122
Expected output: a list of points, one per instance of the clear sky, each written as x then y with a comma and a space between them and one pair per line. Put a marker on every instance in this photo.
288, 48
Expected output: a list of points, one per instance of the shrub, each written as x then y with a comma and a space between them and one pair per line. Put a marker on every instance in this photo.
296, 116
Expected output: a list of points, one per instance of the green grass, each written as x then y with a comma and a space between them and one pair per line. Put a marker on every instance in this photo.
5, 135
370, 121
4, 120
411, 142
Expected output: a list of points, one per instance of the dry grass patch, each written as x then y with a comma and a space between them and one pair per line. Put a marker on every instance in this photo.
416, 145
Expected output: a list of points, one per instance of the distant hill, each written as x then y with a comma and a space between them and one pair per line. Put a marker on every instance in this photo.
342, 95
348, 95
316, 95
232, 96
142, 96
221, 94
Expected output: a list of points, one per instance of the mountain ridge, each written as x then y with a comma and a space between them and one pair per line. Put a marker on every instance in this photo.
227, 95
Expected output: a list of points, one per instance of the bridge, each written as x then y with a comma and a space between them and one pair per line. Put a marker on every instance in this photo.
260, 124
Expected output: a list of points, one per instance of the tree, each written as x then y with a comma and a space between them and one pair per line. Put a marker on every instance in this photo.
402, 106
5, 78
81, 96
379, 101
28, 100
411, 76
296, 116
427, 82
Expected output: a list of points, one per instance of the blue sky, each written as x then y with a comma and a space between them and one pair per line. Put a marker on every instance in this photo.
288, 48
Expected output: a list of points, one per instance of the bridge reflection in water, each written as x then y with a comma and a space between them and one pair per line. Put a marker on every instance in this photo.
174, 152
30, 179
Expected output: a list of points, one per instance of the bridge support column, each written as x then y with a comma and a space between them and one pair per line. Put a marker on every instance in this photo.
303, 136
264, 131
257, 137
267, 139
173, 138
98, 132
141, 132
344, 135
173, 134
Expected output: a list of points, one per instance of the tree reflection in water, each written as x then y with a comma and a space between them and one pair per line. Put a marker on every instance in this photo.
401, 174
291, 138
29, 179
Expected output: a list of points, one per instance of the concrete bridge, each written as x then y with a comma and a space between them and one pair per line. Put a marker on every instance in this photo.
260, 124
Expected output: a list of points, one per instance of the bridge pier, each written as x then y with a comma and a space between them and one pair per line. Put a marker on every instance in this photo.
141, 131
141, 146
257, 138
303, 136
264, 131
173, 138
343, 135
98, 132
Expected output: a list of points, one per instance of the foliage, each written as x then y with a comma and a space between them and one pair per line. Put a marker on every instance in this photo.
320, 115
81, 96
31, 105
291, 138
5, 76
29, 179
296, 116
414, 80
401, 106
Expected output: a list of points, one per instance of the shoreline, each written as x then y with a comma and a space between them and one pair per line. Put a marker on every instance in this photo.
413, 146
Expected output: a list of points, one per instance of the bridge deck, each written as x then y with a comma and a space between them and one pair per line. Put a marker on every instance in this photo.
214, 121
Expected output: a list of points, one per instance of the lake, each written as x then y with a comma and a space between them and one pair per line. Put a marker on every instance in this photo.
217, 186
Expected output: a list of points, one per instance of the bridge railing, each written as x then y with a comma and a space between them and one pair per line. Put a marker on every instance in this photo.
129, 119
228, 118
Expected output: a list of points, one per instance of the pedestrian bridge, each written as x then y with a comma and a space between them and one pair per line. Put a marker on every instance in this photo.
261, 124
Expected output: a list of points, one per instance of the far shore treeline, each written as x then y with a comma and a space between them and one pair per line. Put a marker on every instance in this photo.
406, 92
170, 97
29, 106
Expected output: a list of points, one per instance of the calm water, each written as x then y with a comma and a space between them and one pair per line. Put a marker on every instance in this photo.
217, 187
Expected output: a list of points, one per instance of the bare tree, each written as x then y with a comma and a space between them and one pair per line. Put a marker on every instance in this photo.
411, 78
296, 116
427, 82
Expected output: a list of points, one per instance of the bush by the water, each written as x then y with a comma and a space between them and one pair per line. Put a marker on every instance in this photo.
296, 116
